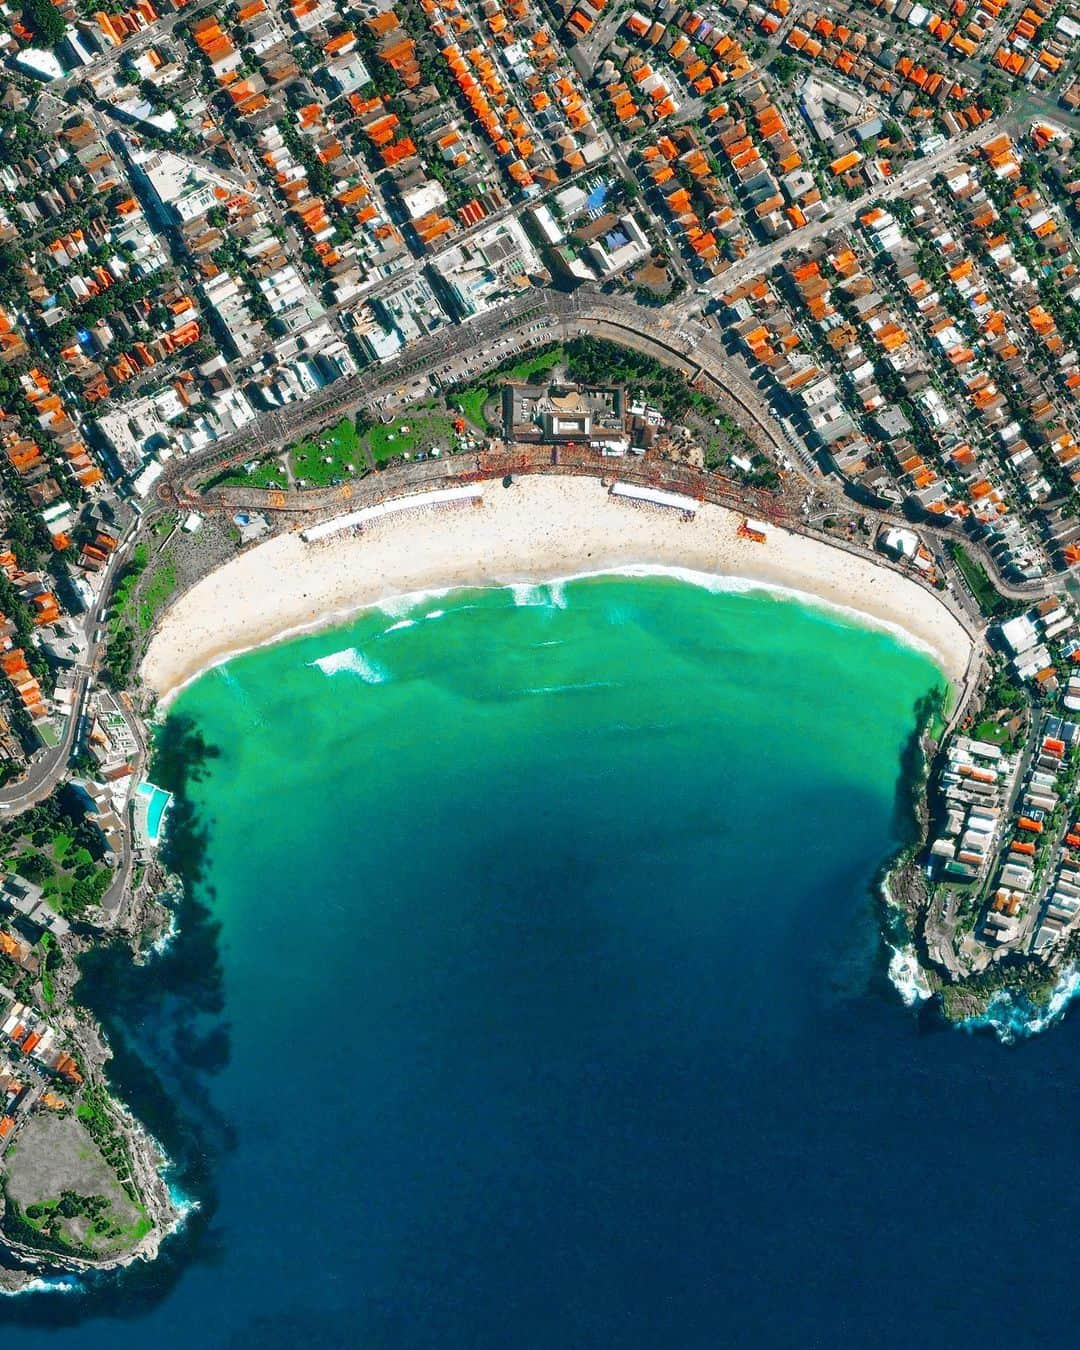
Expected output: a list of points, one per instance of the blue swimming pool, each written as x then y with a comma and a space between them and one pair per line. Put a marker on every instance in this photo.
157, 803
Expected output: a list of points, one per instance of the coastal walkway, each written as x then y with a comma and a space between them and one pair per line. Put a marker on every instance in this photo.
691, 348
646, 471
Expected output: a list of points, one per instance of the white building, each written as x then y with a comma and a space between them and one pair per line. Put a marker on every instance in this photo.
490, 267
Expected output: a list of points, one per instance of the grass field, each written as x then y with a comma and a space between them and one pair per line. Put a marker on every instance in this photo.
982, 588
265, 473
335, 454
121, 612
994, 733
156, 591
472, 405
66, 1189
426, 431
68, 875
529, 366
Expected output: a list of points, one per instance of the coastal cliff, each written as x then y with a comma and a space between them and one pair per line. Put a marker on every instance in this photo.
84, 1189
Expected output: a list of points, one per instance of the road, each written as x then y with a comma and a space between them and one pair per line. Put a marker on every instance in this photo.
466, 350
765, 258
50, 766
672, 334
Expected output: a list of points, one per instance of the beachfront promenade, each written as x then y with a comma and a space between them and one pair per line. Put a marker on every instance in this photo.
692, 348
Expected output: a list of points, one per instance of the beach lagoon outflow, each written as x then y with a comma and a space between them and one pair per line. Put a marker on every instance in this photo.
531, 991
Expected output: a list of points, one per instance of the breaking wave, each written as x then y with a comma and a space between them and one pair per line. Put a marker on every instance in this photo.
60, 1284
527, 593
907, 976
352, 661
1014, 1017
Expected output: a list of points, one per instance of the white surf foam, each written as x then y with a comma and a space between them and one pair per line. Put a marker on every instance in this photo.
719, 584
351, 660
61, 1285
539, 593
568, 688
1013, 1017
907, 976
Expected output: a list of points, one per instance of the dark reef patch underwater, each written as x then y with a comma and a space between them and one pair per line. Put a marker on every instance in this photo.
529, 991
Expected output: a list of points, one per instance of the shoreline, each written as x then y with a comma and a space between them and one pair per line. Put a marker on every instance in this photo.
540, 531
398, 604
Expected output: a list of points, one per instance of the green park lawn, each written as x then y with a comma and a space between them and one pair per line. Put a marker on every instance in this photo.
263, 473
155, 592
529, 366
472, 404
335, 454
426, 431
994, 733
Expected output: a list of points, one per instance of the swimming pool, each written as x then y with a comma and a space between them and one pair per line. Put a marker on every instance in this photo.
157, 803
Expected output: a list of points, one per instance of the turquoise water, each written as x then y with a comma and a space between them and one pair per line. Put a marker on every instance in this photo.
530, 993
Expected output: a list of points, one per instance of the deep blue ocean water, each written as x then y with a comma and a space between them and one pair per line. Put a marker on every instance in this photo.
531, 994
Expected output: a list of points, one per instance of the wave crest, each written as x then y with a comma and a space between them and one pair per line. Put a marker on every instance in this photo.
351, 660
1014, 1017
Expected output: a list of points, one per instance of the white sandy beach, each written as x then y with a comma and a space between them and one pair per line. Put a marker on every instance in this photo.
540, 529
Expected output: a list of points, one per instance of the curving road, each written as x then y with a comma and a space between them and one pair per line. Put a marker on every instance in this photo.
48, 767
690, 347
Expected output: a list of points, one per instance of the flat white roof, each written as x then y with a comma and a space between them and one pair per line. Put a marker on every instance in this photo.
654, 495
43, 63
369, 513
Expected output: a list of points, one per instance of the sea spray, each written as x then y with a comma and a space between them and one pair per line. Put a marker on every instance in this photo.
613, 880
56, 1284
907, 976
161, 944
1012, 1016
401, 606
527, 593
534, 594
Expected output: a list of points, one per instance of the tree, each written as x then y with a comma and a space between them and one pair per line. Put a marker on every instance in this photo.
785, 68
45, 19
34, 865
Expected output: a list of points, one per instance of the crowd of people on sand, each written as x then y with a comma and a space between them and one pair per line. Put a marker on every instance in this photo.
547, 527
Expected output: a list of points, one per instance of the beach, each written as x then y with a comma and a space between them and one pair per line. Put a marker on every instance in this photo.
538, 529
